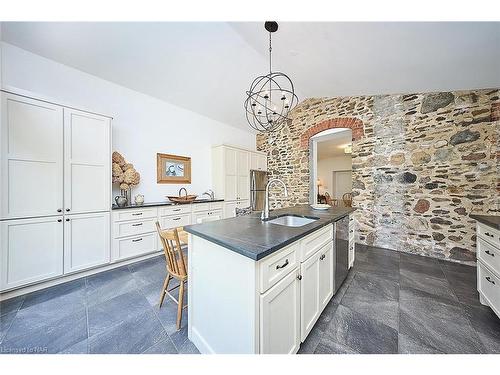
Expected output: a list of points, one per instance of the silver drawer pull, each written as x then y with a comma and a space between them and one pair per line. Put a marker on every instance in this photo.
137, 225
489, 235
489, 280
137, 240
177, 209
177, 218
283, 265
137, 214
488, 252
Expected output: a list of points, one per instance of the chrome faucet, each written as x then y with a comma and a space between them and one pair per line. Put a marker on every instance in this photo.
210, 193
265, 213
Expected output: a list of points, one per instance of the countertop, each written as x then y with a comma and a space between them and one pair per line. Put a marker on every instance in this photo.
164, 203
490, 220
255, 239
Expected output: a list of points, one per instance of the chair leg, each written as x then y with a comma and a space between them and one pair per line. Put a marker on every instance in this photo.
164, 289
180, 304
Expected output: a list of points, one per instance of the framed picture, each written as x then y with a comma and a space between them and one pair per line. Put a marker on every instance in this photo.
173, 169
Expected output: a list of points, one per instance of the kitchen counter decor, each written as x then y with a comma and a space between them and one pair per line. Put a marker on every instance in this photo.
125, 175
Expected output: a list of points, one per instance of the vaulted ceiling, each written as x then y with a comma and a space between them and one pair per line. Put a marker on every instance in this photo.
206, 67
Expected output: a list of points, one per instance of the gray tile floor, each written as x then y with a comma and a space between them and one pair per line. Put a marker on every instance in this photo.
400, 303
112, 312
390, 303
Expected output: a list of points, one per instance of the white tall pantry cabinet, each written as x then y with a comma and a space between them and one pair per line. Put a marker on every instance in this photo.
231, 175
55, 190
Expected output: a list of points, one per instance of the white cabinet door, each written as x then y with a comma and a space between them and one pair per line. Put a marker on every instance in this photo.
86, 241
280, 317
309, 291
32, 250
229, 209
87, 162
31, 155
231, 174
204, 217
262, 162
254, 161
325, 275
243, 171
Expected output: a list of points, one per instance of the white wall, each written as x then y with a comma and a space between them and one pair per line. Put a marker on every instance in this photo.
142, 125
328, 165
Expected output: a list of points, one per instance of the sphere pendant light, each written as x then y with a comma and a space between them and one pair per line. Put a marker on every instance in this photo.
271, 97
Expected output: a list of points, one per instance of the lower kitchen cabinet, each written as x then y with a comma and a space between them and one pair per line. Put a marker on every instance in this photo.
326, 275
203, 217
86, 241
309, 290
316, 287
280, 297
32, 251
280, 317
230, 207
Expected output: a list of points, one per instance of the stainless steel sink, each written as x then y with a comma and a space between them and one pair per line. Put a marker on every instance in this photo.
292, 221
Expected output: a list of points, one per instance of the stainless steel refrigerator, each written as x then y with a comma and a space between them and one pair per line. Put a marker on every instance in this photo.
258, 182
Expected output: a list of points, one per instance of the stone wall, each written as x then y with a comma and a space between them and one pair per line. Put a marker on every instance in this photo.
421, 164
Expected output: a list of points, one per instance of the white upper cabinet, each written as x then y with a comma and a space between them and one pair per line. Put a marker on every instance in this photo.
258, 161
31, 158
231, 172
87, 162
243, 171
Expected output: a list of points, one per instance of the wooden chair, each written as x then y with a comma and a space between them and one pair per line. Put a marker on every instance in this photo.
347, 199
176, 265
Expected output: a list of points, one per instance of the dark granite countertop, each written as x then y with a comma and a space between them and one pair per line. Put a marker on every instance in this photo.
164, 203
255, 239
490, 220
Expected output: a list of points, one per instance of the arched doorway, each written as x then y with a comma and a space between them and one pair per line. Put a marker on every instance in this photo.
331, 166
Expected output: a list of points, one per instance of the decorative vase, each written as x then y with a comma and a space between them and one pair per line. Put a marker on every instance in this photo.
121, 201
139, 199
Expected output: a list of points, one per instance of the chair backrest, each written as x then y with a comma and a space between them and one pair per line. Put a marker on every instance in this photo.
173, 252
243, 211
328, 198
347, 199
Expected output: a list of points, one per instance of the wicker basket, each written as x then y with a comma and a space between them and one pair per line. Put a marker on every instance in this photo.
184, 199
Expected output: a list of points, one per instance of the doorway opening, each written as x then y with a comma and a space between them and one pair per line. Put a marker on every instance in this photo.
331, 172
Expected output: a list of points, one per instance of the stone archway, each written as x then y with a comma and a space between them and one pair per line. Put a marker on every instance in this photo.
355, 124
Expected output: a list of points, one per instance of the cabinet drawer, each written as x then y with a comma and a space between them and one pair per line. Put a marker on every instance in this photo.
134, 214
175, 221
489, 286
175, 210
277, 266
197, 207
216, 205
489, 234
133, 246
489, 255
315, 241
131, 228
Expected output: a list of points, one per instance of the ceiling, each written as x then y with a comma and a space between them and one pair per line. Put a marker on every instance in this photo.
206, 67
332, 145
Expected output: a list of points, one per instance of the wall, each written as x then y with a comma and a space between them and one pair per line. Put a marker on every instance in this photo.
327, 165
142, 125
421, 164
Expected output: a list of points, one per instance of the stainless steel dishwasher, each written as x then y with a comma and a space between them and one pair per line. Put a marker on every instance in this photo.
341, 258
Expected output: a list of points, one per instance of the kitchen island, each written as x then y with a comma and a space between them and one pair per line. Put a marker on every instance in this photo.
259, 286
